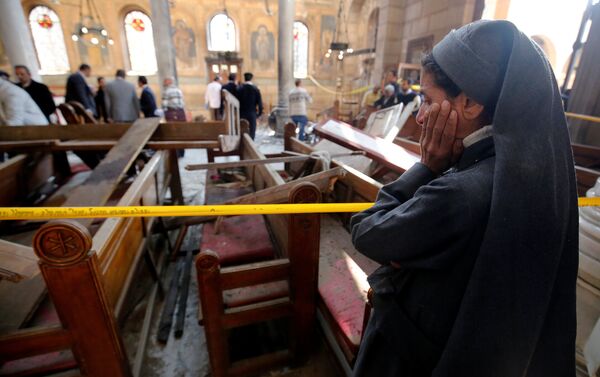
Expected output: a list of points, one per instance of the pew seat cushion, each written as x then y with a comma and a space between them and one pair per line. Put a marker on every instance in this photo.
241, 239
343, 285
237, 297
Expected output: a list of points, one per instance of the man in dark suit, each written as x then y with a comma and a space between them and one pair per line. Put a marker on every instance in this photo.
147, 99
78, 90
39, 92
231, 86
250, 101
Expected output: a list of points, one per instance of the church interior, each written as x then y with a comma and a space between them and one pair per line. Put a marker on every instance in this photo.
108, 266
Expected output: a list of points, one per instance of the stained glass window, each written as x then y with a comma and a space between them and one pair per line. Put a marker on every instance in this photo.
140, 43
49, 41
300, 50
221, 33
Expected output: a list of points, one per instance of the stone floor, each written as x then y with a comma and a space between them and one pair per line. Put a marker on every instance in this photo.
187, 356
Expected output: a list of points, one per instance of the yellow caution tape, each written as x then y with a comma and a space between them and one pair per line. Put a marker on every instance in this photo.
583, 117
331, 91
46, 213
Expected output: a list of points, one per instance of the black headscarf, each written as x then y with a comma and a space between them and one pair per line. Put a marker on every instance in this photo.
517, 317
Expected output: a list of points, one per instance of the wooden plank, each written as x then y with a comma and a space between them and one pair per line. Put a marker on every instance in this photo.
166, 317
259, 312
32, 342
17, 262
97, 189
181, 131
10, 182
267, 173
280, 193
243, 163
229, 143
185, 287
254, 273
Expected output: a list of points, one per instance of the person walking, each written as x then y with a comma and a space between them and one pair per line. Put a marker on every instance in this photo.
251, 105
147, 99
122, 104
212, 98
78, 90
298, 99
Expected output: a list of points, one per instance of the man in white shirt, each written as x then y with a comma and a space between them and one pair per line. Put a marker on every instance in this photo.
212, 98
298, 99
17, 108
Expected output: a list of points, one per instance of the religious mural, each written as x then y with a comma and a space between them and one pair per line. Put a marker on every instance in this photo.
184, 40
327, 35
262, 50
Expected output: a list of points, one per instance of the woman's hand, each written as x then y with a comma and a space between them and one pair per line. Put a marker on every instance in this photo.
439, 147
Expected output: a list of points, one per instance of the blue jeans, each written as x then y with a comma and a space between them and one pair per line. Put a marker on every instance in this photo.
301, 121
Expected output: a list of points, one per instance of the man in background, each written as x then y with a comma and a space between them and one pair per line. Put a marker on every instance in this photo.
251, 105
172, 101
147, 99
388, 99
17, 108
212, 98
79, 91
39, 92
391, 78
370, 97
407, 95
122, 104
99, 100
298, 99
232, 86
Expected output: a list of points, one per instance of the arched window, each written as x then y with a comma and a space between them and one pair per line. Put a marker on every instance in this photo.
221, 33
300, 50
140, 43
49, 41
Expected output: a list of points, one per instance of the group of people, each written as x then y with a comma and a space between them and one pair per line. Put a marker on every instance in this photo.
117, 100
251, 105
250, 98
392, 93
28, 102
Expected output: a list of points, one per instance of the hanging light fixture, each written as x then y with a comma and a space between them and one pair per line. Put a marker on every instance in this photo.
340, 43
89, 30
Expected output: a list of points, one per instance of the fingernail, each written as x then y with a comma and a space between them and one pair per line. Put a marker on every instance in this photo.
445, 105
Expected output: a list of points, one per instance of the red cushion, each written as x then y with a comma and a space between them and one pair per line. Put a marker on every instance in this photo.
241, 239
256, 293
343, 282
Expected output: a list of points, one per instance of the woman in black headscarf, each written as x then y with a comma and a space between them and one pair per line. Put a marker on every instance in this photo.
478, 242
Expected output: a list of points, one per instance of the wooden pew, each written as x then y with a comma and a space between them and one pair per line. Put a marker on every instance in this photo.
100, 269
296, 240
343, 308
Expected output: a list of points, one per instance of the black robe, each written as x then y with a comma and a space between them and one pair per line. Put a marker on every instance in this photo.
433, 228
516, 316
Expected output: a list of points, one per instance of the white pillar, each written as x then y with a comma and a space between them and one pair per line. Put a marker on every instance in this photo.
163, 40
16, 37
285, 62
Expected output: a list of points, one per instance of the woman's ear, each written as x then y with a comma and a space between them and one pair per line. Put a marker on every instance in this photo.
472, 109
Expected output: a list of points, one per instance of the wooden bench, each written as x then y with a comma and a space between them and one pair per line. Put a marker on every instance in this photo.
343, 308
248, 293
88, 278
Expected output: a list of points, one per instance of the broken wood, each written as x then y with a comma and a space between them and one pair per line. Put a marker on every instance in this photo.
17, 262
166, 317
185, 287
243, 163
279, 193
99, 186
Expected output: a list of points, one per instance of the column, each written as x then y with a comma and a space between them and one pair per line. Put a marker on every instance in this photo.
16, 37
285, 62
389, 38
586, 91
163, 41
